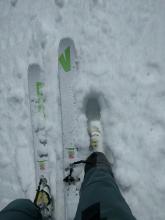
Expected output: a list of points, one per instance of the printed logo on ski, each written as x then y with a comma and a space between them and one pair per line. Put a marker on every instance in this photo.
65, 61
40, 101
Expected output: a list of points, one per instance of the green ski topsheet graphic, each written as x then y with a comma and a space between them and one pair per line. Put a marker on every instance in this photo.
39, 94
65, 61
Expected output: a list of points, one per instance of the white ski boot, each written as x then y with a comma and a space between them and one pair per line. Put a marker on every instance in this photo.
95, 132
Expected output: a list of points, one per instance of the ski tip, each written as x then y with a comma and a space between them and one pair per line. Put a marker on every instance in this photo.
66, 40
67, 55
34, 69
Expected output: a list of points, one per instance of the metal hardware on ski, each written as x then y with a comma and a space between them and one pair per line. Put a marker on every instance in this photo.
43, 197
70, 178
67, 73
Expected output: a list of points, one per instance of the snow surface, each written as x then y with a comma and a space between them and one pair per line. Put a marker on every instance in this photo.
121, 50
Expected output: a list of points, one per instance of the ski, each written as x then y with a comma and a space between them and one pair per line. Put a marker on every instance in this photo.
67, 73
43, 198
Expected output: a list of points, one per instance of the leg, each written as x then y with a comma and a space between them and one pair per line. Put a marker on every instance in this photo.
100, 197
21, 209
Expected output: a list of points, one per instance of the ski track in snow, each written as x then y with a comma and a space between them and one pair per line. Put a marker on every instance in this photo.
120, 45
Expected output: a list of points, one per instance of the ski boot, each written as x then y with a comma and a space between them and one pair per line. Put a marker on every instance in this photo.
95, 133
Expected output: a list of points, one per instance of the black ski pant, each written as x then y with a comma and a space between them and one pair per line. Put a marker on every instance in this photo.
20, 209
100, 198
